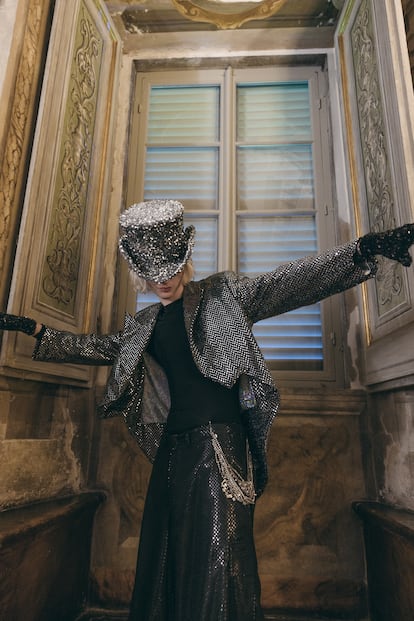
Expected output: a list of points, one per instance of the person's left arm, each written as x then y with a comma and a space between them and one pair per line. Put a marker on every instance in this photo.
308, 280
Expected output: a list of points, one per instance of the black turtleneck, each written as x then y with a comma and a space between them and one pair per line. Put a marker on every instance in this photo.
195, 399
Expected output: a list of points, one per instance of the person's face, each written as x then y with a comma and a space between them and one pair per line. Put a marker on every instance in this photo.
169, 290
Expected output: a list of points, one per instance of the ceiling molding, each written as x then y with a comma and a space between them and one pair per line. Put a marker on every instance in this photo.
208, 11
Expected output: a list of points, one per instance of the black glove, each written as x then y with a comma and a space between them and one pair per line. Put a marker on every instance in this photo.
393, 244
14, 322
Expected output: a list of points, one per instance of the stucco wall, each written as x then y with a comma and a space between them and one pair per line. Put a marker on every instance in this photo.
388, 432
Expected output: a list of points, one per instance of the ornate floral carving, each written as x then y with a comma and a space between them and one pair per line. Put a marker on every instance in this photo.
376, 166
13, 163
63, 251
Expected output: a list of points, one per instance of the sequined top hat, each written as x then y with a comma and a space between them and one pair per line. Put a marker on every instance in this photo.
153, 239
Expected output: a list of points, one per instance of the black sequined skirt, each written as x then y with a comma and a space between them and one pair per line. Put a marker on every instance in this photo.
196, 560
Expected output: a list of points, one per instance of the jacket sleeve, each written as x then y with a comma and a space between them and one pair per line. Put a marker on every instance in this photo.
61, 346
300, 282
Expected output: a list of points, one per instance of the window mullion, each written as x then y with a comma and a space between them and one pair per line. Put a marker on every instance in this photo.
227, 238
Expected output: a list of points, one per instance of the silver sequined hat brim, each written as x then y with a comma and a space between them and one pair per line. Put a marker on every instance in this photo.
154, 243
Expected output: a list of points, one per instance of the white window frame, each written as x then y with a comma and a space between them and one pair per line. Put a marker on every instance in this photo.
332, 311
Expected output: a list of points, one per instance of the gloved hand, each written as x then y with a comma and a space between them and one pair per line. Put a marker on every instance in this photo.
393, 244
15, 322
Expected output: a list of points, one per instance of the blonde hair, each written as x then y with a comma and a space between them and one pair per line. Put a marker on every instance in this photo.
141, 286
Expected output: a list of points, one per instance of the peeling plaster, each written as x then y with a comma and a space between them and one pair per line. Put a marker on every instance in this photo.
69, 431
354, 348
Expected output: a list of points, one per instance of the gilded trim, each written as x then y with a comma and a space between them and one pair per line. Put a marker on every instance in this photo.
62, 258
353, 168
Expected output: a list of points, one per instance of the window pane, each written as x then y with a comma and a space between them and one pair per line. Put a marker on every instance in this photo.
273, 113
295, 338
186, 174
183, 114
264, 242
278, 177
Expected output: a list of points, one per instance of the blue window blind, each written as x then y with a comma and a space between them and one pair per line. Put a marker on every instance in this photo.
275, 112
275, 177
275, 209
182, 161
182, 150
186, 174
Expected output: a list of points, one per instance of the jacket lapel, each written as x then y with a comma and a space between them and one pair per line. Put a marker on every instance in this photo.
192, 297
137, 332
135, 336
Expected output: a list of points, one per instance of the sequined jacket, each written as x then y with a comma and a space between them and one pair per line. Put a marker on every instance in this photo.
219, 312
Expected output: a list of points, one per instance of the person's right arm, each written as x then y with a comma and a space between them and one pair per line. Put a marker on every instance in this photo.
61, 346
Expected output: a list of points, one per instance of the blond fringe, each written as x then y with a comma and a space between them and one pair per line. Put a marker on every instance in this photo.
140, 285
